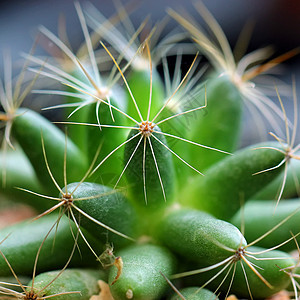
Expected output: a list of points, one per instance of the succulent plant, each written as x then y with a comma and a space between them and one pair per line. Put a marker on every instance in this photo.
140, 191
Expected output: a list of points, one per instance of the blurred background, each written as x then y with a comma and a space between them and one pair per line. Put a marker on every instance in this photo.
276, 23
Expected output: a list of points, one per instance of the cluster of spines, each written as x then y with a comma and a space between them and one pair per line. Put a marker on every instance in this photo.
148, 162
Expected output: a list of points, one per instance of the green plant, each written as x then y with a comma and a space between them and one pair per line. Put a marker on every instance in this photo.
167, 204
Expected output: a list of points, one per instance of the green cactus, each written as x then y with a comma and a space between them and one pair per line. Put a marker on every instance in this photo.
147, 186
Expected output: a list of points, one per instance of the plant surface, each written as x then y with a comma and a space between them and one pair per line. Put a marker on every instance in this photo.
141, 190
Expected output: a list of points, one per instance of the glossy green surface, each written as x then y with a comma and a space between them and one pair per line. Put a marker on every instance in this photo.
83, 282
107, 206
141, 278
199, 237
231, 182
195, 293
29, 129
260, 216
151, 166
25, 238
139, 83
219, 124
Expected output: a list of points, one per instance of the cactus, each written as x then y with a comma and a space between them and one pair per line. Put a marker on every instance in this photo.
143, 180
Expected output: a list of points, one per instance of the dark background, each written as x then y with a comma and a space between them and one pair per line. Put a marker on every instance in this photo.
277, 23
